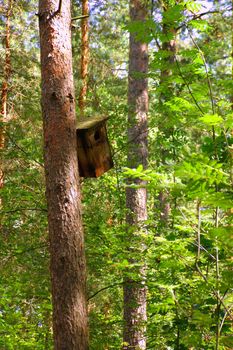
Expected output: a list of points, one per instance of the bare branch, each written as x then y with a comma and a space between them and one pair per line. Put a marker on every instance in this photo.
79, 17
105, 288
188, 87
59, 6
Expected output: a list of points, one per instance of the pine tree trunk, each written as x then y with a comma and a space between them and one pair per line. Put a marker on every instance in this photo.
84, 56
168, 46
68, 271
136, 198
231, 150
4, 89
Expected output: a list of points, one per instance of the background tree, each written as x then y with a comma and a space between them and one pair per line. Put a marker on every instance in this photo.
84, 55
136, 198
5, 83
26, 304
183, 307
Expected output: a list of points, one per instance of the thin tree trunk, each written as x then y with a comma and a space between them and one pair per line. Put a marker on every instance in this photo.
68, 268
84, 56
230, 149
135, 318
168, 46
4, 89
232, 50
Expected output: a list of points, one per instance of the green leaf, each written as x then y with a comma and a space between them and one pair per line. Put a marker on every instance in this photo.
200, 25
173, 15
227, 341
193, 6
211, 119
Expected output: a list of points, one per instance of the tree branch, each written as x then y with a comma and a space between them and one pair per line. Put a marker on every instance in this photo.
22, 209
59, 6
200, 15
105, 288
187, 85
79, 17
21, 149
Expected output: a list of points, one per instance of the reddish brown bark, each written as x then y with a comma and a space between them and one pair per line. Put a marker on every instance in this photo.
230, 149
232, 53
136, 198
68, 271
6, 77
84, 56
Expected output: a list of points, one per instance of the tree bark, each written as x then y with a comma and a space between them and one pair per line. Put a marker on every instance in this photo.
168, 46
136, 198
4, 90
68, 268
84, 56
231, 150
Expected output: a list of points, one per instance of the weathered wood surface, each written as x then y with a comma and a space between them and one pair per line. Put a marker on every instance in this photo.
94, 153
89, 122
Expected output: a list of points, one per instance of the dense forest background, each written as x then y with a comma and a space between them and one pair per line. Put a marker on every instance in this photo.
188, 234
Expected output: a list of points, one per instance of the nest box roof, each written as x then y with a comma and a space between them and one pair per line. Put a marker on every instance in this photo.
89, 122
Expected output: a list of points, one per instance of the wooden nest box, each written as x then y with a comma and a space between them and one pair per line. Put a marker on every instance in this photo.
94, 154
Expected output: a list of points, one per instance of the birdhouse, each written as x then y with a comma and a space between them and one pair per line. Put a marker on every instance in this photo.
94, 154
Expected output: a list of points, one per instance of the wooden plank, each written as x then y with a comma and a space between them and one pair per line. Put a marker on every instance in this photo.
89, 122
94, 154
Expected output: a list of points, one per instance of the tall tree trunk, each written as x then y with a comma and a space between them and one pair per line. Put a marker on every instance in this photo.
168, 46
84, 56
68, 271
4, 89
231, 150
136, 198
231, 50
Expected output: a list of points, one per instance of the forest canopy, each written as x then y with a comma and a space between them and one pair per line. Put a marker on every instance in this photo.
158, 225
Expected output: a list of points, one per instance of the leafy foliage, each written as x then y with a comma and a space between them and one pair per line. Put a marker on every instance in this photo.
189, 255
